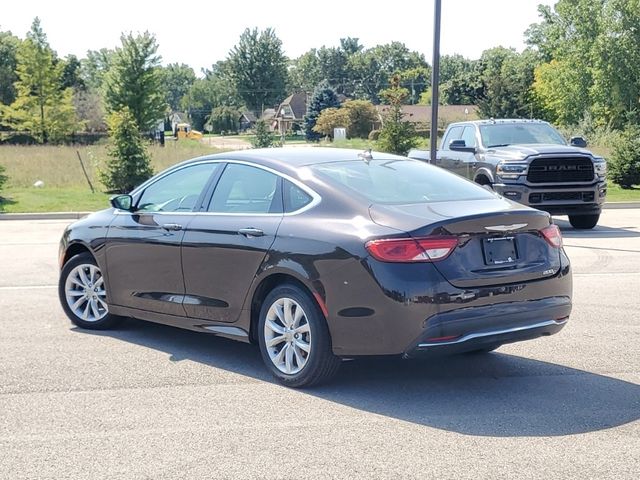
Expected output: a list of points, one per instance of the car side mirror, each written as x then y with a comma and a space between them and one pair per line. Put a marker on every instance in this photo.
122, 202
460, 146
578, 142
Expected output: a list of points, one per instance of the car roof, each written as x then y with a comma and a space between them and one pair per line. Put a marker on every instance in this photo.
294, 157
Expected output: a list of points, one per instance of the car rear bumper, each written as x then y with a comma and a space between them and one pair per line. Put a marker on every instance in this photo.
476, 328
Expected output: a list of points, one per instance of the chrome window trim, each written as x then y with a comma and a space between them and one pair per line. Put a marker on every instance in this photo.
315, 197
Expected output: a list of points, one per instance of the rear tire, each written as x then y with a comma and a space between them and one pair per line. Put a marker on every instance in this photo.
83, 294
294, 338
584, 222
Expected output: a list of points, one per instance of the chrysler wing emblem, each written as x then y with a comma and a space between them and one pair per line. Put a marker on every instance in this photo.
506, 228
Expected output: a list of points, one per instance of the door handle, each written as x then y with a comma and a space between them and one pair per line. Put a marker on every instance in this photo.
251, 232
171, 227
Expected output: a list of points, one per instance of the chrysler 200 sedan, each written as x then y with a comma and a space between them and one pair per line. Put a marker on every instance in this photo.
318, 255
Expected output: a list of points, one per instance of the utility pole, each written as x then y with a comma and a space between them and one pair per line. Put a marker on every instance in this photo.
435, 80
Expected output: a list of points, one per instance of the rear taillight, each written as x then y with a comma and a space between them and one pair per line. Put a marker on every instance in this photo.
552, 235
429, 249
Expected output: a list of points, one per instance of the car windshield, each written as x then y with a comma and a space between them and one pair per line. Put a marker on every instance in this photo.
502, 134
401, 181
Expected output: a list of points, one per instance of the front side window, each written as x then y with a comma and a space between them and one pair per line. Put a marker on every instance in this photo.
454, 134
178, 191
246, 189
469, 136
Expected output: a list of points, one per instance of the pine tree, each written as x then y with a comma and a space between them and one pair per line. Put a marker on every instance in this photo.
396, 135
42, 107
129, 164
264, 137
323, 97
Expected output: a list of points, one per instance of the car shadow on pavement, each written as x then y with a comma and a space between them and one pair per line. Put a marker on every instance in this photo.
599, 231
494, 394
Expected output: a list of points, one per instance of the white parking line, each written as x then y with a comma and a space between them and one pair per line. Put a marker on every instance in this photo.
28, 287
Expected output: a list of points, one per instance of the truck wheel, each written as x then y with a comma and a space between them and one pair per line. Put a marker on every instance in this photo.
584, 222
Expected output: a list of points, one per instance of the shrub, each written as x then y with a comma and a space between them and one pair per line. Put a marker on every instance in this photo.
374, 135
263, 138
129, 163
624, 167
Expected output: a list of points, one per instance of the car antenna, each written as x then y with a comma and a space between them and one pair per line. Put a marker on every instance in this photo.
366, 156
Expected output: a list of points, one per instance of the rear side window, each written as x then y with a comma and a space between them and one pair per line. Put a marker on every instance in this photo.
294, 197
400, 181
246, 189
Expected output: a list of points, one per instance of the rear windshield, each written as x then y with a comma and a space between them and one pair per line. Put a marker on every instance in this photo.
401, 181
502, 134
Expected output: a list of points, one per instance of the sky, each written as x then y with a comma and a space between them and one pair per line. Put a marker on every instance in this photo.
199, 33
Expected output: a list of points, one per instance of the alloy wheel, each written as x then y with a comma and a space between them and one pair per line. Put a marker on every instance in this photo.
85, 293
287, 336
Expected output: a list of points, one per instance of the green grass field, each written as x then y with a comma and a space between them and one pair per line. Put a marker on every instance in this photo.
66, 188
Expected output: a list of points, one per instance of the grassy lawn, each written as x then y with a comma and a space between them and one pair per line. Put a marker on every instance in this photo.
618, 194
66, 188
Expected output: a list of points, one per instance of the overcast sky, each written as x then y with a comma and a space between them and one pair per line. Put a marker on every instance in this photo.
200, 32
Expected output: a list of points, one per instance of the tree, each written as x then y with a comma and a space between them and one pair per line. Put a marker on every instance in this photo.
90, 110
129, 163
42, 107
214, 90
224, 119
258, 68
323, 97
134, 81
330, 119
362, 116
8, 63
396, 135
95, 67
263, 138
624, 167
71, 73
507, 79
177, 79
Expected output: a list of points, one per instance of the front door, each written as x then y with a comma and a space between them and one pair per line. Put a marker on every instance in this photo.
143, 246
224, 247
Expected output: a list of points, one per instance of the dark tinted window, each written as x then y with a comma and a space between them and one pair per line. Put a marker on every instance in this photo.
294, 197
246, 189
177, 191
454, 134
401, 181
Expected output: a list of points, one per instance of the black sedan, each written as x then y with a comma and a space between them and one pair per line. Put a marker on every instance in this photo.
317, 255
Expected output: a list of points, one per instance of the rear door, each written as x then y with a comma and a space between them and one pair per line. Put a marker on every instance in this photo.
224, 247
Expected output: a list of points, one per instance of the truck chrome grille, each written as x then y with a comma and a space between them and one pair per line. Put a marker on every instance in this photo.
555, 170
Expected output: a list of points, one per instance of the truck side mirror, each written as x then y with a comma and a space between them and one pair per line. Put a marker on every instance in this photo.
578, 142
460, 146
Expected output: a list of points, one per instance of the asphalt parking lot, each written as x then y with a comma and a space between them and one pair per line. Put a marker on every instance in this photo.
149, 401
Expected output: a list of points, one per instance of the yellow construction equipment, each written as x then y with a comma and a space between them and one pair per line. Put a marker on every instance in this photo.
183, 130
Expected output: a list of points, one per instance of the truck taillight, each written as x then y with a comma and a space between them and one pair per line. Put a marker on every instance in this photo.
407, 250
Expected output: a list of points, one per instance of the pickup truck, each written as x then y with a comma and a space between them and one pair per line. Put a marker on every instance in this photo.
527, 161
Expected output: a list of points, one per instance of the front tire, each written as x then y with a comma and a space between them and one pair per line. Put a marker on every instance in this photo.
584, 222
294, 338
83, 294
